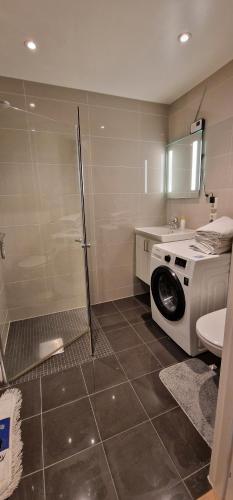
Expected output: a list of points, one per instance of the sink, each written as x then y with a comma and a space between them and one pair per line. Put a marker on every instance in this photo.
165, 234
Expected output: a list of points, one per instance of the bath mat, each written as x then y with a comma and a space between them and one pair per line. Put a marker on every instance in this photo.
195, 387
10, 442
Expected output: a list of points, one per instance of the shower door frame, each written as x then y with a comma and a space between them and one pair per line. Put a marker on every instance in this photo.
84, 243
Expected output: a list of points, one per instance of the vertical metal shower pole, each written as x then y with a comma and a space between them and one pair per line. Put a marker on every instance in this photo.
85, 244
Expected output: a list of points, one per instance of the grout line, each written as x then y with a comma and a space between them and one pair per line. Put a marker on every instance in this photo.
86, 103
32, 416
161, 141
100, 439
96, 423
42, 440
42, 130
196, 471
72, 456
31, 473
126, 430
113, 302
65, 404
136, 346
189, 492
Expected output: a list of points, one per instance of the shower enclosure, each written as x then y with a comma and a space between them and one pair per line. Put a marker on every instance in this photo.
44, 290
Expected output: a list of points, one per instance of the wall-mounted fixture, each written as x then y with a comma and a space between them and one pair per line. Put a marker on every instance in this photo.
183, 166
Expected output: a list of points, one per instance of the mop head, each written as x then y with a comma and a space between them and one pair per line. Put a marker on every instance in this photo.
10, 442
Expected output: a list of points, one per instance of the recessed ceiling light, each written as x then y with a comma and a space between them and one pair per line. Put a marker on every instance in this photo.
184, 37
30, 44
102, 126
32, 105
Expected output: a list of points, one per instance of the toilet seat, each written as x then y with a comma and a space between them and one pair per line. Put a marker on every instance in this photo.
210, 329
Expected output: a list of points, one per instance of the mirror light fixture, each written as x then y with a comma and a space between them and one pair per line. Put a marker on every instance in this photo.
170, 159
194, 166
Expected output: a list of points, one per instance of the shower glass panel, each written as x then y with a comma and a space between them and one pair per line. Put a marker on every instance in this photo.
44, 298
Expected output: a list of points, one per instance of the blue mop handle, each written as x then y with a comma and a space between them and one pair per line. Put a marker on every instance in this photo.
4, 434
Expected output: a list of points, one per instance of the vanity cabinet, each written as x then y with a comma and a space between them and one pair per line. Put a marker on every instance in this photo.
146, 237
143, 254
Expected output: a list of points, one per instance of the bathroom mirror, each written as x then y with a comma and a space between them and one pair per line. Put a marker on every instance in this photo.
183, 166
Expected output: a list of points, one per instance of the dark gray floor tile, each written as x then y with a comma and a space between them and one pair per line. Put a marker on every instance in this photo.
168, 352
127, 303
137, 314
117, 409
124, 338
112, 322
85, 475
177, 492
31, 404
149, 331
30, 488
140, 465
144, 299
104, 308
138, 361
102, 373
153, 394
32, 445
184, 444
67, 430
198, 483
62, 387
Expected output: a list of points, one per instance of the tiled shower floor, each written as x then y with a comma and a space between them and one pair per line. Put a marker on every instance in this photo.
25, 338
108, 429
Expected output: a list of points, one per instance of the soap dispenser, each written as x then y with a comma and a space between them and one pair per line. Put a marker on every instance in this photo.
213, 207
182, 222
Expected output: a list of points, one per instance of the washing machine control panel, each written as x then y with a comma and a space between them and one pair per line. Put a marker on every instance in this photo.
180, 262
167, 258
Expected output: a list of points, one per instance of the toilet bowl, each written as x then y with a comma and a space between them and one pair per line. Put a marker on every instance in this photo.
210, 330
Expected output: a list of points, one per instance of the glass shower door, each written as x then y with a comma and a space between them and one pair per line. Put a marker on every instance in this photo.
44, 294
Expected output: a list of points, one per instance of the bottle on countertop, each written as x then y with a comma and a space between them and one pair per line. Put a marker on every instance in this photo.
182, 222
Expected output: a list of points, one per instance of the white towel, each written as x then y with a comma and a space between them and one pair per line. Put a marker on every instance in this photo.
221, 228
209, 249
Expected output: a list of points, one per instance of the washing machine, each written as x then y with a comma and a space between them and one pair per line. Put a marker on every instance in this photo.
186, 284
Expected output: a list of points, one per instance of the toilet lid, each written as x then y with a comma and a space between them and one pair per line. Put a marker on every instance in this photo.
211, 327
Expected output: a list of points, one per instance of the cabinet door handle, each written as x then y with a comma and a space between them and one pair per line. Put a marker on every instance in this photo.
2, 246
146, 245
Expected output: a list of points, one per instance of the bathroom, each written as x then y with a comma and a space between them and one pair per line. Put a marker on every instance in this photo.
91, 102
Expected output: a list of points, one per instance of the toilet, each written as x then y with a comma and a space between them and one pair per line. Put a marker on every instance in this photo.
210, 330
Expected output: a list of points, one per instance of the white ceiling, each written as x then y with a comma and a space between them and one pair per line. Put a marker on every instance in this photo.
122, 47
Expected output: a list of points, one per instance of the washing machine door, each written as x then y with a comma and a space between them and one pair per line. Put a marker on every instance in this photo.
168, 293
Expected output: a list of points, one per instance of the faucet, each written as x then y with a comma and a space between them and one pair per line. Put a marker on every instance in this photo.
173, 223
